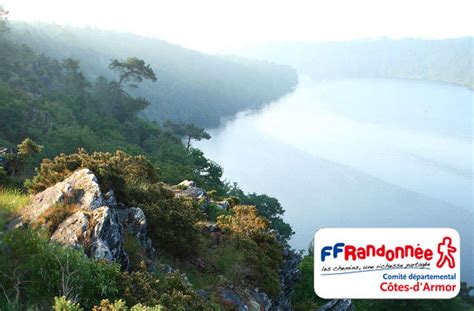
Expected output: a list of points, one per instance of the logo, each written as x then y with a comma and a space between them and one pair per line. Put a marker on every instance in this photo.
386, 263
446, 250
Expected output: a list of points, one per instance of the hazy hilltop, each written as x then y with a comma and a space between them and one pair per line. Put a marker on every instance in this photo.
448, 60
191, 87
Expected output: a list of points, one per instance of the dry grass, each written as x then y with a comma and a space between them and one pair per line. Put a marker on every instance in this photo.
54, 216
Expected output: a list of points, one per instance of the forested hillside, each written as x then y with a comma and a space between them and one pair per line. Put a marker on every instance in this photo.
449, 60
93, 207
193, 87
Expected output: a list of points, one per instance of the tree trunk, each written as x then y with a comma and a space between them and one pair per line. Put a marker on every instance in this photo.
189, 142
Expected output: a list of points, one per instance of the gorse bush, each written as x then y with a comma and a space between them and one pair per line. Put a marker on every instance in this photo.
172, 226
262, 251
131, 177
171, 291
63, 304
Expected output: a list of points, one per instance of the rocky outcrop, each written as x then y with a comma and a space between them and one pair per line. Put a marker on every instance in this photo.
289, 274
80, 188
97, 223
338, 305
188, 188
246, 300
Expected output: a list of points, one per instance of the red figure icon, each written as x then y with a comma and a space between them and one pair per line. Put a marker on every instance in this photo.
446, 251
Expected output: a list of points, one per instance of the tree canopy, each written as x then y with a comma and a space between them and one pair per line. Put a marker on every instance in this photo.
188, 130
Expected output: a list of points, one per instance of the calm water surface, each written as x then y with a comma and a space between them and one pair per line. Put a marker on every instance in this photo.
350, 153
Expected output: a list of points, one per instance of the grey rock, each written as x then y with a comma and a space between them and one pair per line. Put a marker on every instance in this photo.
187, 184
338, 305
98, 232
289, 274
188, 189
99, 223
230, 297
260, 302
133, 221
203, 294
73, 231
106, 239
110, 199
223, 205
211, 227
80, 188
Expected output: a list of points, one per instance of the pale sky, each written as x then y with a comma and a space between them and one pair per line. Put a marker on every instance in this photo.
214, 25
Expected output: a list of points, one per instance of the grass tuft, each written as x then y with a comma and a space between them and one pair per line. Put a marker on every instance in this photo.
11, 202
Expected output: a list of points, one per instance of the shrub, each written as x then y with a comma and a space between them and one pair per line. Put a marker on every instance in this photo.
106, 305
140, 307
172, 226
213, 212
172, 291
243, 220
129, 176
63, 304
33, 271
260, 247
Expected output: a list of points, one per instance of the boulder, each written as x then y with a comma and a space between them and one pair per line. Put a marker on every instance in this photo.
80, 188
97, 224
133, 221
232, 299
187, 184
188, 189
223, 205
106, 236
98, 232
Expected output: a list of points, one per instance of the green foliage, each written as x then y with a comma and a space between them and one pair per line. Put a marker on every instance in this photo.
213, 212
140, 307
304, 297
172, 226
132, 69
267, 207
55, 105
188, 130
171, 291
63, 304
131, 177
33, 271
106, 305
25, 151
11, 201
243, 221
262, 251
193, 87
28, 148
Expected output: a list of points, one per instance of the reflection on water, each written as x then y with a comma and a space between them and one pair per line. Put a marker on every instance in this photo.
351, 153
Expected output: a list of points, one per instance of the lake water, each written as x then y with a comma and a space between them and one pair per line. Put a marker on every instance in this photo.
359, 153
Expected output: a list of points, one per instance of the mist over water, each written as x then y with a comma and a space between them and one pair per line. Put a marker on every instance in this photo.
359, 153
